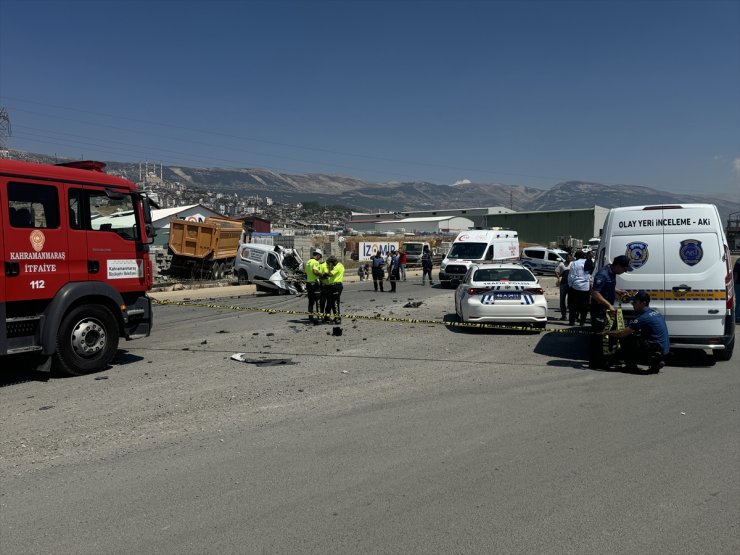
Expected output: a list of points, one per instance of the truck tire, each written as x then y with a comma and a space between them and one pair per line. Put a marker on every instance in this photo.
243, 277
218, 270
87, 341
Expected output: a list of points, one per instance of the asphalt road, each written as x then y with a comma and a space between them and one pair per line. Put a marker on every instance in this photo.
391, 438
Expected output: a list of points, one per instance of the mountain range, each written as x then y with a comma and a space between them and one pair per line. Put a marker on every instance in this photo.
360, 195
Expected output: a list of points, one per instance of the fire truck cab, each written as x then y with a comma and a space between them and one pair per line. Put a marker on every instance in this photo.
77, 266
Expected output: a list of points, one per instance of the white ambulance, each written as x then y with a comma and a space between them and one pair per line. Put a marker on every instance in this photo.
680, 256
477, 245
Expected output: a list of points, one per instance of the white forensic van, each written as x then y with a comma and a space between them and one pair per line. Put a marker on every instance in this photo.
477, 245
680, 256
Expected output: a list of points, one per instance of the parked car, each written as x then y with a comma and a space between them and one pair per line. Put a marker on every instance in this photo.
542, 260
501, 293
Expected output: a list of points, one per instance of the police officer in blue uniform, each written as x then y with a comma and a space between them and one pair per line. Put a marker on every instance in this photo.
603, 296
644, 339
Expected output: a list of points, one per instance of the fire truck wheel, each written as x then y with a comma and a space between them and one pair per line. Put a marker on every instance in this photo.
87, 341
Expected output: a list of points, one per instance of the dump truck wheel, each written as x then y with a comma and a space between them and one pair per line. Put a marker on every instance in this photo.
87, 341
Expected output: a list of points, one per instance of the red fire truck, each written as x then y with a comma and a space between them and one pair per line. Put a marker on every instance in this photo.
75, 243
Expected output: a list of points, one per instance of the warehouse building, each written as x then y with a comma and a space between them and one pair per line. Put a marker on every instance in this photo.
544, 227
429, 225
477, 215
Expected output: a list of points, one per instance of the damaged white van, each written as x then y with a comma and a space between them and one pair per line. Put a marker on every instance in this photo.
270, 268
680, 256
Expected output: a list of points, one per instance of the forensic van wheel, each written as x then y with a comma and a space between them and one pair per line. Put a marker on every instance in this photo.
243, 277
87, 341
725, 354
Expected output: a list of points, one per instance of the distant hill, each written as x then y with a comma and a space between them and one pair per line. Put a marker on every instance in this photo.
363, 195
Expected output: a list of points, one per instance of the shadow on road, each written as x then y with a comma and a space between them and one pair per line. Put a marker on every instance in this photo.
17, 370
492, 329
571, 350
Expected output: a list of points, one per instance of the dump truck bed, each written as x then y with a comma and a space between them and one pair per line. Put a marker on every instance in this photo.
213, 239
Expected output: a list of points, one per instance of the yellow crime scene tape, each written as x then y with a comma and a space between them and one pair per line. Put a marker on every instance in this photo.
482, 325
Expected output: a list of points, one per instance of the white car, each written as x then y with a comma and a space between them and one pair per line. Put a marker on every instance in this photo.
505, 293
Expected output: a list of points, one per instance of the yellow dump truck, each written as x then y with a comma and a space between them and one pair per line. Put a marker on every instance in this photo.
204, 250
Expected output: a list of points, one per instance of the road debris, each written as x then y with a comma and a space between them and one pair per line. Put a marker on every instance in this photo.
242, 357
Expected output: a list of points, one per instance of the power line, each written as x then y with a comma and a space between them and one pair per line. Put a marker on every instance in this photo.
264, 141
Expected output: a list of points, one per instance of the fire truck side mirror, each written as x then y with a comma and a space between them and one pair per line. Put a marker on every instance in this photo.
146, 204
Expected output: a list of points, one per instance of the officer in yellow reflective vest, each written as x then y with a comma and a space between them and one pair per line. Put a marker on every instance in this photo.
334, 289
313, 286
323, 273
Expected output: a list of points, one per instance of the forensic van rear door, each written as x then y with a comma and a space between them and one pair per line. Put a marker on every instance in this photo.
695, 292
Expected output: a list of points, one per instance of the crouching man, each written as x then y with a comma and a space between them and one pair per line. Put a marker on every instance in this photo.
645, 339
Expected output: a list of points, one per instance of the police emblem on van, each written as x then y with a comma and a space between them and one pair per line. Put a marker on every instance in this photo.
691, 252
637, 252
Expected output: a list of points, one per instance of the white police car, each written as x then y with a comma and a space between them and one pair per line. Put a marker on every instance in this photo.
502, 293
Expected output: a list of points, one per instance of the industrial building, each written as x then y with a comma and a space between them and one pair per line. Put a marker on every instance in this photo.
548, 226
477, 215
430, 225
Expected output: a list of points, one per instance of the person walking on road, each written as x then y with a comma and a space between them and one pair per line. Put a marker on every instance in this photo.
603, 296
645, 339
426, 265
561, 273
313, 285
402, 264
334, 288
377, 270
394, 270
579, 284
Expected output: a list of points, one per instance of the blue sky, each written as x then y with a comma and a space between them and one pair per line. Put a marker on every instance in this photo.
527, 92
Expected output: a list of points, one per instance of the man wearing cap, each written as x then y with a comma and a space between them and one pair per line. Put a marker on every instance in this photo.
603, 296
333, 286
313, 286
644, 339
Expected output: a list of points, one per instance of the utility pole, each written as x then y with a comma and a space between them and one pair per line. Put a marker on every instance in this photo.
5, 130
